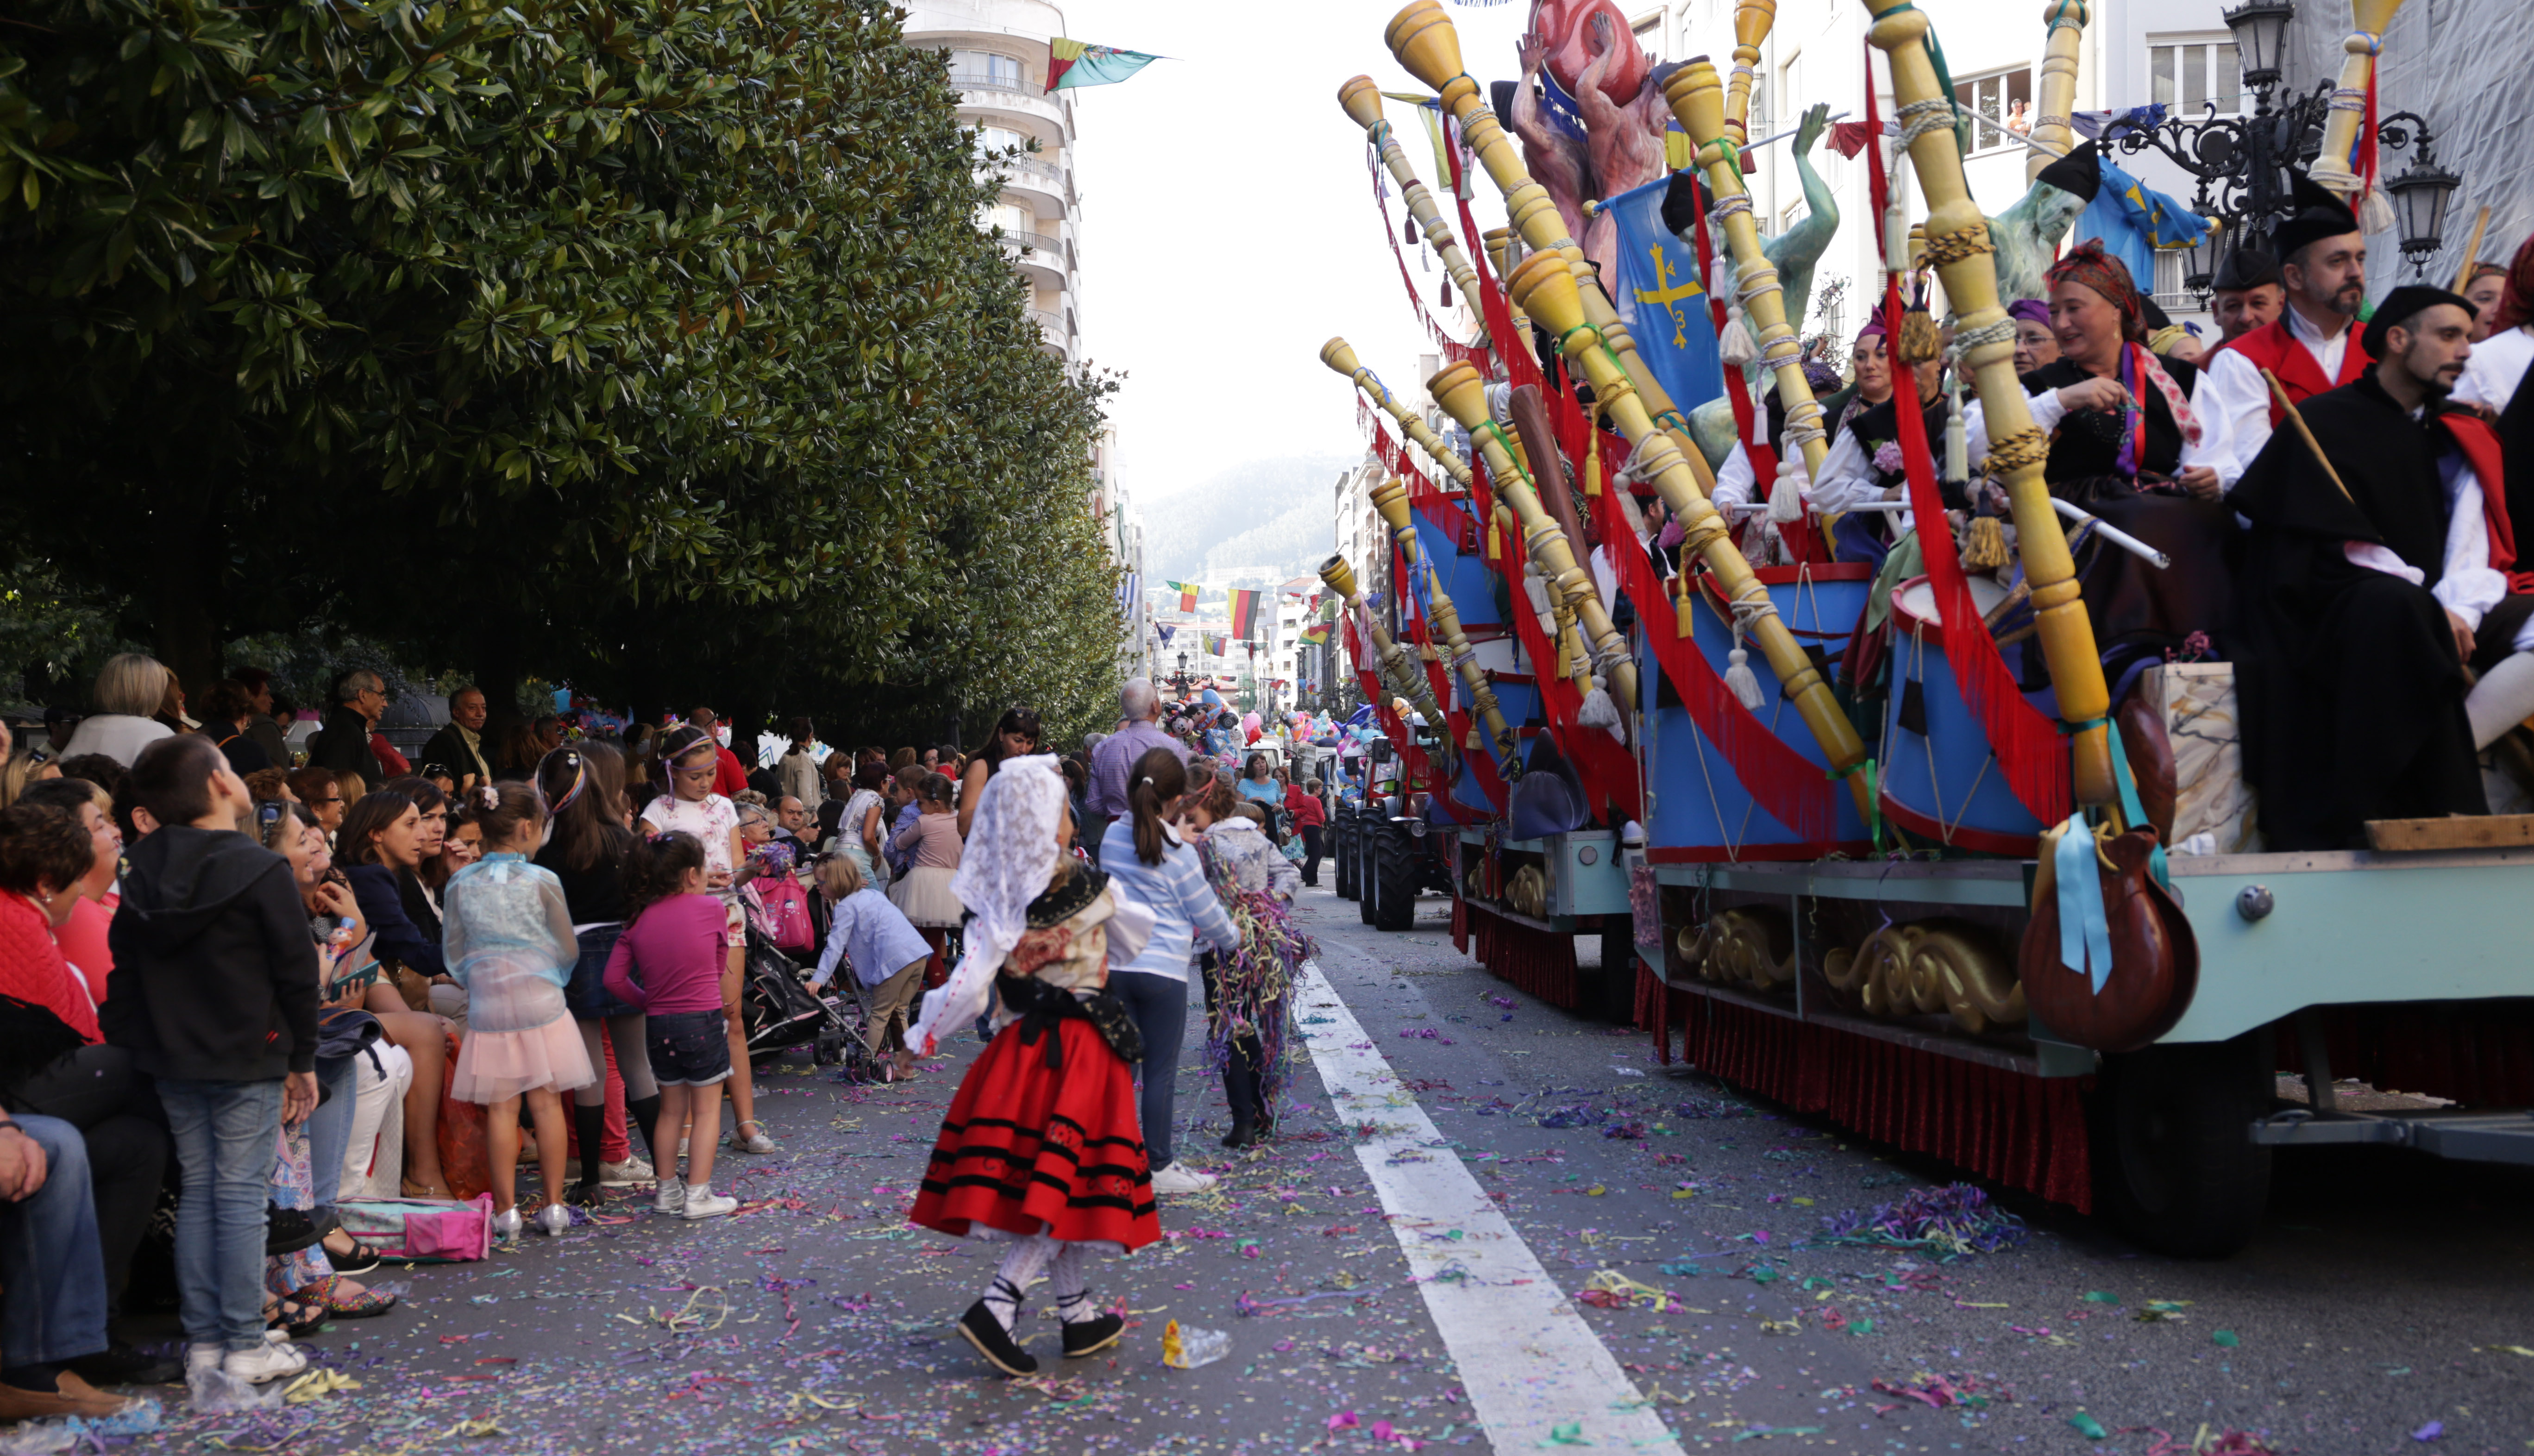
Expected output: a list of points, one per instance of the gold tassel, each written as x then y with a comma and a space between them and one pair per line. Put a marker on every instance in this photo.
1683, 625
1922, 342
1495, 551
1592, 454
1984, 545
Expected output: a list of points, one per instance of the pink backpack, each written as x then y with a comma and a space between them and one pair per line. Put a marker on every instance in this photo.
424, 1231
784, 913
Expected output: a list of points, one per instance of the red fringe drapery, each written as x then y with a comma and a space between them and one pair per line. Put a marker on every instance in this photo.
2477, 1054
1539, 963
2023, 1131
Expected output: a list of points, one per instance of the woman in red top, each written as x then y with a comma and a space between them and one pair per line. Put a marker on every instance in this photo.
1303, 802
87, 906
44, 853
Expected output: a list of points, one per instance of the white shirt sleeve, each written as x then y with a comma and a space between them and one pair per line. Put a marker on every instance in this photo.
1733, 478
2216, 447
2377, 558
2466, 586
1846, 477
2232, 391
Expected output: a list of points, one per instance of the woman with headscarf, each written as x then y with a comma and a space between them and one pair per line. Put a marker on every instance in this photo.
2128, 444
2034, 344
1040, 1148
1864, 462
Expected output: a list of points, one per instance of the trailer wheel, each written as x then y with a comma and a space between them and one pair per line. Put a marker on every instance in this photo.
2175, 1164
1396, 863
1367, 866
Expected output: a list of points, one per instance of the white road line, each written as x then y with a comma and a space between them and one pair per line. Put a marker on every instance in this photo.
1527, 1359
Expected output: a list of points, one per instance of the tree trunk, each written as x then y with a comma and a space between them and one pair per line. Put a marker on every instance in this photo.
186, 548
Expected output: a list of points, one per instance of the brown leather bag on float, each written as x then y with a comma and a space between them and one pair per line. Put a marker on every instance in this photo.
2155, 957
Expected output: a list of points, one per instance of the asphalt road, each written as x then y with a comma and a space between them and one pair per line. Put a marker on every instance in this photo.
2387, 1305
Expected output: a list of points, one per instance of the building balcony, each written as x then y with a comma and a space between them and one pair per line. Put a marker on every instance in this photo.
1035, 180
1045, 261
981, 92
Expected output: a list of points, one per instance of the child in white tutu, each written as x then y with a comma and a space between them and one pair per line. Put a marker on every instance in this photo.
507, 939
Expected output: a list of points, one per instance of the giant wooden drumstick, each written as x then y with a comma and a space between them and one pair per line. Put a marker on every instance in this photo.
1405, 678
1697, 97
1547, 292
1423, 39
1362, 102
1753, 19
2055, 97
1463, 396
1390, 498
2360, 48
1339, 355
1958, 240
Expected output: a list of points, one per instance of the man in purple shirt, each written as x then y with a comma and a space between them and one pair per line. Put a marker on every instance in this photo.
1116, 756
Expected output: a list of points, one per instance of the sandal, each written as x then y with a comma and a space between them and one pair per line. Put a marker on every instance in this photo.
360, 1258
327, 1292
300, 1318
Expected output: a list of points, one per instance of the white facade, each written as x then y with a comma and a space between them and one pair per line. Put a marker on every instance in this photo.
999, 55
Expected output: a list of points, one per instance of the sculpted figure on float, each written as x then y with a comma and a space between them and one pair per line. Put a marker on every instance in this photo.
1586, 48
2026, 235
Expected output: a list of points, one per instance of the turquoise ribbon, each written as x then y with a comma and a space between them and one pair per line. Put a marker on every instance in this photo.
2131, 810
2084, 931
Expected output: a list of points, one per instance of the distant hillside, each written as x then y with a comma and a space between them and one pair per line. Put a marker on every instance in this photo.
1263, 520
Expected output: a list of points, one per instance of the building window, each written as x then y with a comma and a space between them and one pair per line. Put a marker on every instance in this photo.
2192, 74
2001, 106
2170, 295
984, 68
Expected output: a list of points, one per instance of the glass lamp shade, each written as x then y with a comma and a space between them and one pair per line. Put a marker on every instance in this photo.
2261, 29
2420, 195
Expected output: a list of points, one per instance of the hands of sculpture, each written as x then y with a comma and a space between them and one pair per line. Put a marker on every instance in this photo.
1809, 131
1531, 51
1599, 41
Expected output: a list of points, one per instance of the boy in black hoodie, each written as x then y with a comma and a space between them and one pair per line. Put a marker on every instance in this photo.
215, 992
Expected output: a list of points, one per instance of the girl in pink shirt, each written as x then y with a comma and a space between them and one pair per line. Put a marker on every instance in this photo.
670, 963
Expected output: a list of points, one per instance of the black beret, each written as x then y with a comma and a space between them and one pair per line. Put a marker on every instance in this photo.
2319, 215
2246, 268
2080, 173
2400, 307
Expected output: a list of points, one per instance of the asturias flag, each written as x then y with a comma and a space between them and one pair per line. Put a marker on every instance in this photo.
1187, 591
1663, 300
1244, 616
1080, 63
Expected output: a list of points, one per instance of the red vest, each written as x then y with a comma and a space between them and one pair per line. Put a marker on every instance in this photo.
2481, 450
2273, 348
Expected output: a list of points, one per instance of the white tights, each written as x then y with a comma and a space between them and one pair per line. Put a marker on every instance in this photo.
2501, 700
1063, 1263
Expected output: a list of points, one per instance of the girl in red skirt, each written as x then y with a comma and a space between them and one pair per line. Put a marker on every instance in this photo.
1041, 1146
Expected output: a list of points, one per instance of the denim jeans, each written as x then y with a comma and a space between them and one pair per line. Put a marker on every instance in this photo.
1159, 1006
52, 1280
330, 1126
226, 1135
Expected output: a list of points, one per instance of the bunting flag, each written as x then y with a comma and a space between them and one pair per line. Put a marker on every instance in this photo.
1244, 614
1315, 635
1187, 591
1166, 631
1072, 63
1214, 644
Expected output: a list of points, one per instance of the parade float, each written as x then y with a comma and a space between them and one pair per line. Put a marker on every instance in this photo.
1878, 845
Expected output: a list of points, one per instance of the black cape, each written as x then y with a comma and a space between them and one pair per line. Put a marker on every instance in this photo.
2140, 610
2350, 691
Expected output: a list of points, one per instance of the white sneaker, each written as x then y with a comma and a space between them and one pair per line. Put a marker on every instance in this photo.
1178, 1177
271, 1363
208, 1356
630, 1171
554, 1218
753, 1142
703, 1202
671, 1197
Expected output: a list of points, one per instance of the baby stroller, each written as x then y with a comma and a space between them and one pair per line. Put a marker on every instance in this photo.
783, 1013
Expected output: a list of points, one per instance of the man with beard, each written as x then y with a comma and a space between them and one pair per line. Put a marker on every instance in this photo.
2311, 349
2373, 575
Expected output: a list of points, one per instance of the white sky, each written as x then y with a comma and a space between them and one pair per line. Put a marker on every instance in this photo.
1229, 226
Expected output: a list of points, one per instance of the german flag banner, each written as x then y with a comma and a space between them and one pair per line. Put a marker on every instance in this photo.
1244, 615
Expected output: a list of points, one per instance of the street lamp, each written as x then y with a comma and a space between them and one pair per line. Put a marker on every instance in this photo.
2206, 256
2242, 162
2261, 29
